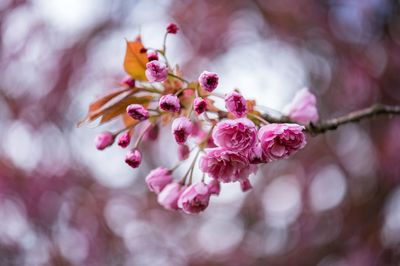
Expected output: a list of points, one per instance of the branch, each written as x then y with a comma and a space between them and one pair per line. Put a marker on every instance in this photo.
332, 124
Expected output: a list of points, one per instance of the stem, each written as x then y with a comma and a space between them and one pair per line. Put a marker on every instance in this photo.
259, 118
177, 77
142, 135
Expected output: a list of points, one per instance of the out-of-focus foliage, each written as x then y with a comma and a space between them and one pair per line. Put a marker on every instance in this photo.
62, 203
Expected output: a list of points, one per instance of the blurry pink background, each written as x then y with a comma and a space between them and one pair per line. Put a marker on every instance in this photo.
62, 202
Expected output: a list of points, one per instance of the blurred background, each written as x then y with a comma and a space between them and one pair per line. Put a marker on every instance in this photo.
62, 202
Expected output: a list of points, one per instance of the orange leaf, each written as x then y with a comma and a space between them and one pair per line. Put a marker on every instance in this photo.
135, 61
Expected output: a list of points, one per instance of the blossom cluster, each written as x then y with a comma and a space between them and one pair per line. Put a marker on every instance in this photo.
228, 143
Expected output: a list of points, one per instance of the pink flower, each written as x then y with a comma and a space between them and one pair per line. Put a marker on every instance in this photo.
278, 141
104, 140
208, 81
214, 187
199, 105
152, 133
236, 104
137, 111
124, 140
158, 178
194, 198
169, 196
183, 152
303, 107
128, 81
245, 184
181, 129
236, 135
256, 155
170, 103
152, 55
225, 165
133, 158
156, 71
172, 28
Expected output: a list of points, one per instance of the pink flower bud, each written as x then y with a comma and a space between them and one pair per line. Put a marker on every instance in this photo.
128, 81
183, 152
214, 187
172, 28
133, 158
245, 184
208, 81
194, 198
156, 71
236, 104
168, 197
303, 108
181, 129
152, 55
103, 140
143, 50
170, 103
158, 178
124, 140
152, 133
199, 105
279, 141
137, 111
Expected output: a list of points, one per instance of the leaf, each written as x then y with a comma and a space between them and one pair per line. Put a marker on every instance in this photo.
129, 121
135, 61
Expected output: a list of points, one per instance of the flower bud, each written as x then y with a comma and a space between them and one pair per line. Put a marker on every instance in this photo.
172, 28
133, 158
168, 197
156, 71
183, 152
194, 198
158, 178
124, 140
236, 104
208, 81
303, 108
245, 184
199, 105
137, 111
170, 103
152, 55
128, 81
103, 140
214, 187
181, 129
152, 133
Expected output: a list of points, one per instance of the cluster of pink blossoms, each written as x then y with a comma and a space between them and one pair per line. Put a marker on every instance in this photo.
228, 144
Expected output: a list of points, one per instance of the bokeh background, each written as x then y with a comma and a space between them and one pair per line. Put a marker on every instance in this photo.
335, 203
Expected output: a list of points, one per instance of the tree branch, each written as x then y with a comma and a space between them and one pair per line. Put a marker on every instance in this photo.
332, 124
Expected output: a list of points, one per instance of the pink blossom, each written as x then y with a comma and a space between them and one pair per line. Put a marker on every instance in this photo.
225, 165
172, 28
168, 197
237, 135
236, 104
278, 141
156, 71
303, 108
152, 133
183, 152
208, 80
133, 158
128, 81
214, 187
158, 178
195, 198
104, 140
137, 111
124, 140
245, 184
152, 55
181, 129
256, 155
170, 103
199, 105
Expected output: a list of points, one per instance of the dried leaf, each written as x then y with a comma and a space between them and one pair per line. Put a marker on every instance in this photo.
135, 61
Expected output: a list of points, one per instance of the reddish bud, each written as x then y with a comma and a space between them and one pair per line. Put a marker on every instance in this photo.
199, 105
128, 81
104, 140
172, 28
133, 158
124, 140
137, 111
152, 55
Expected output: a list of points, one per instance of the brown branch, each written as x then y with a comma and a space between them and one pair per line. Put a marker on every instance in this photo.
334, 123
